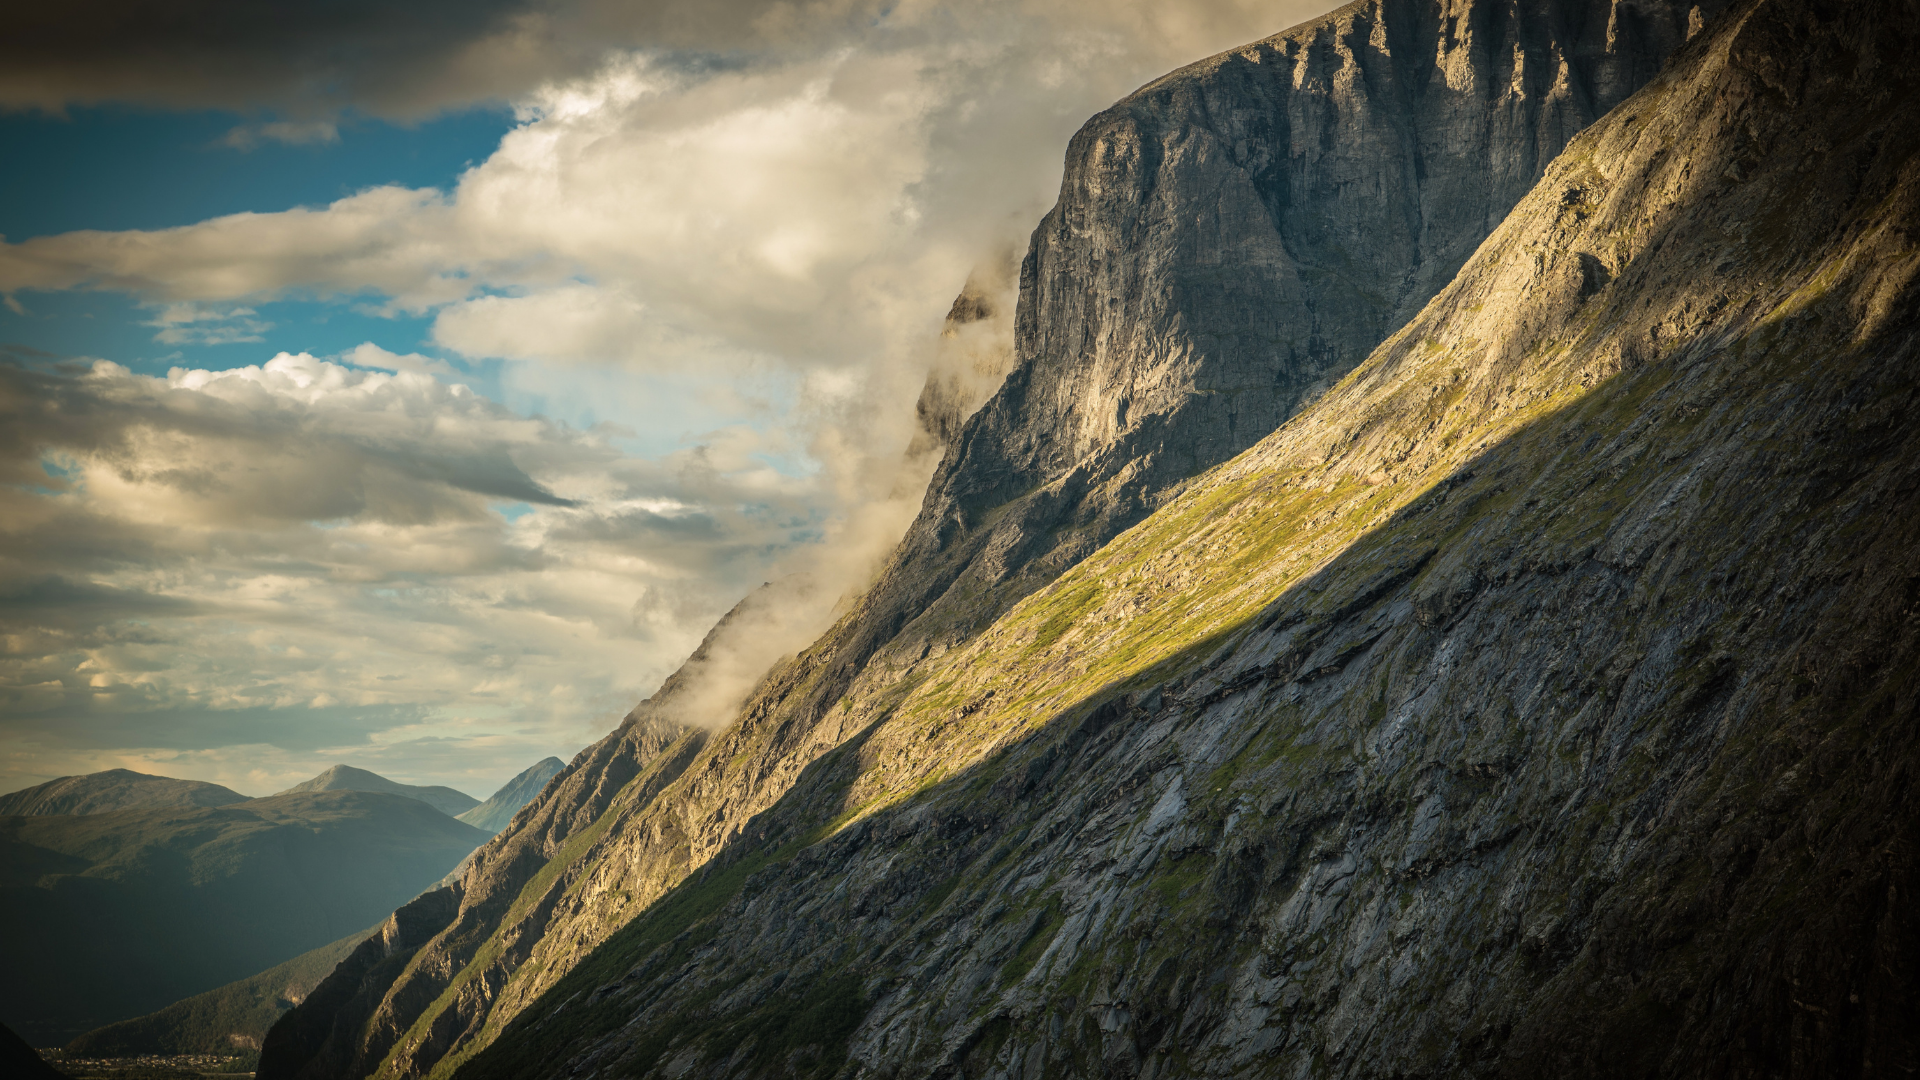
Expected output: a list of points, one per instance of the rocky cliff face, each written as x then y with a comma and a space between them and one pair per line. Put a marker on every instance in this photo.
1318, 174
1539, 701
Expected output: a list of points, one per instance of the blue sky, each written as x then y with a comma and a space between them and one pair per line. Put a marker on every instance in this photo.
119, 167
537, 350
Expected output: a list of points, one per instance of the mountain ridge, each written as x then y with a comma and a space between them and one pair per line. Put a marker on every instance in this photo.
133, 910
499, 809
347, 778
1024, 494
1540, 701
111, 790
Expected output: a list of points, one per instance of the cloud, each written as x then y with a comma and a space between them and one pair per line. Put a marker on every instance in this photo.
289, 132
733, 228
194, 324
305, 555
408, 61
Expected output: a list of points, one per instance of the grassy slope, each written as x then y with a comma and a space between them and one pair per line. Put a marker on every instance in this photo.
1386, 481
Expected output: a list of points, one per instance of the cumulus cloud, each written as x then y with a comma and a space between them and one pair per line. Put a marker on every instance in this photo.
306, 555
758, 210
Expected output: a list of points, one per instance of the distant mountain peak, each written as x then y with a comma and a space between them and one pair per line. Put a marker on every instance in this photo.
110, 790
494, 814
348, 778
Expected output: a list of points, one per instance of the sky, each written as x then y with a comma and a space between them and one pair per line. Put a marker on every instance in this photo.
413, 386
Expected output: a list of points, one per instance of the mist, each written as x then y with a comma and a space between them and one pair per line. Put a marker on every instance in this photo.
721, 247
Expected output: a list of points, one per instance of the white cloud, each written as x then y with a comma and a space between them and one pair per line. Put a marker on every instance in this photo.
196, 324
737, 269
308, 545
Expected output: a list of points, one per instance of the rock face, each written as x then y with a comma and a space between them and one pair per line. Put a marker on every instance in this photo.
499, 809
347, 778
115, 915
1229, 241
114, 789
1544, 699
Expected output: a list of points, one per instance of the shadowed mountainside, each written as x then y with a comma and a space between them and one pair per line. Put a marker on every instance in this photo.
114, 789
1229, 241
123, 913
1540, 701
230, 1018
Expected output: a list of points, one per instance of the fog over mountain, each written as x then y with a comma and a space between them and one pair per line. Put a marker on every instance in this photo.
656, 346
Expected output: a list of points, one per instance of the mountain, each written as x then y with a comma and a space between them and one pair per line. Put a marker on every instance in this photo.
494, 814
114, 789
18, 1061
230, 1018
1229, 241
121, 913
1541, 700
347, 778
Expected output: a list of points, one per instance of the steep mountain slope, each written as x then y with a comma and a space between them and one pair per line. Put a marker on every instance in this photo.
115, 915
347, 778
226, 1019
114, 789
1540, 701
1145, 352
493, 815
18, 1061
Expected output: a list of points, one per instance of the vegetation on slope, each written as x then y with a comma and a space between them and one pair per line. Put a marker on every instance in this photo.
133, 910
1542, 699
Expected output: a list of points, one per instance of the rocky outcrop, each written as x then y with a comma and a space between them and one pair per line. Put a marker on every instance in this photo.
1229, 240
1540, 700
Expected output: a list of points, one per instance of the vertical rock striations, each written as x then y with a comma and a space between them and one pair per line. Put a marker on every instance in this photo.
1544, 699
1229, 241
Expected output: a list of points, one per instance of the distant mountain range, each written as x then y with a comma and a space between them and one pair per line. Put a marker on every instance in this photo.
494, 814
166, 910
127, 911
114, 789
347, 778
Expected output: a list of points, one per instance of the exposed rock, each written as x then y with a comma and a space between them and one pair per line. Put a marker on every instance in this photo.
1541, 700
1229, 241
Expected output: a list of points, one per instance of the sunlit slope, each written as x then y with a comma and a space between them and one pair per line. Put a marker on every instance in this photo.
1227, 242
1538, 699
